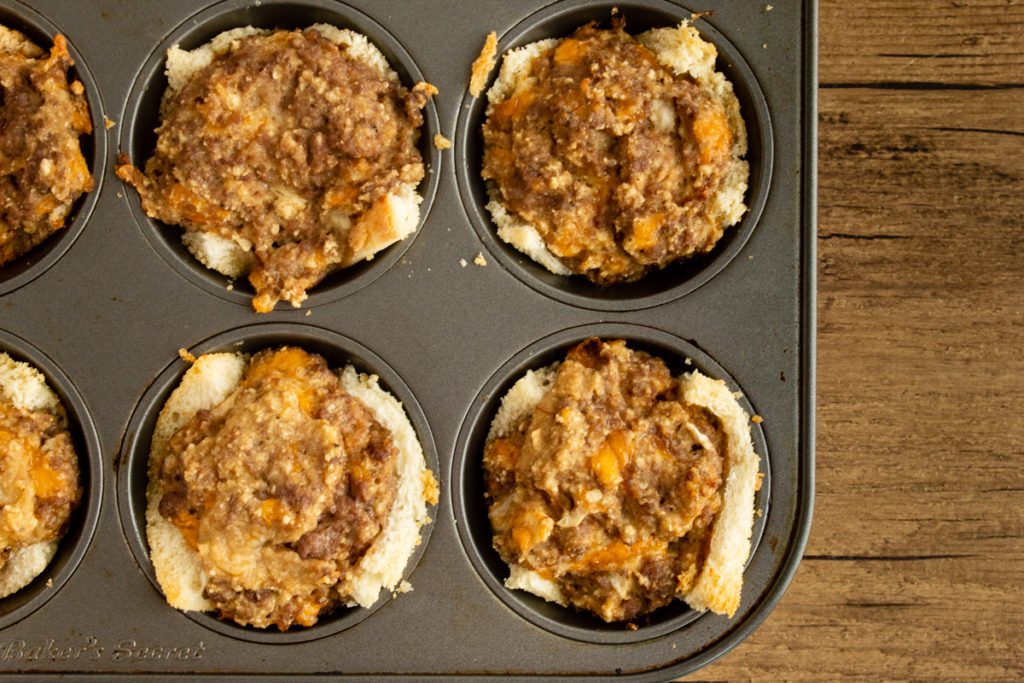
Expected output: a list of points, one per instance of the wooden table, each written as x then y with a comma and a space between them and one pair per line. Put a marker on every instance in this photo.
914, 568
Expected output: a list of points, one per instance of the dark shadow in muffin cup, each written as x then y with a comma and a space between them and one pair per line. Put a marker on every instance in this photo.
141, 118
132, 476
72, 546
29, 266
470, 507
560, 20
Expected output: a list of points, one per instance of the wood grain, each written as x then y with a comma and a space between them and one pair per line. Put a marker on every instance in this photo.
914, 569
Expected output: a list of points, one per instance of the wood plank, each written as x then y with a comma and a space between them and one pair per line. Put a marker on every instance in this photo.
927, 620
922, 43
901, 163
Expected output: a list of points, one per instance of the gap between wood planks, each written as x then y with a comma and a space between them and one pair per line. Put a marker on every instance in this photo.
919, 85
886, 558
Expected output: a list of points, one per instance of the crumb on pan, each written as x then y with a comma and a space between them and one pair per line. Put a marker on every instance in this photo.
441, 142
483, 64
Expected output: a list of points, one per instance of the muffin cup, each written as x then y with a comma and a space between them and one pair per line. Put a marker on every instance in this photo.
559, 20
141, 117
29, 266
470, 507
73, 545
338, 351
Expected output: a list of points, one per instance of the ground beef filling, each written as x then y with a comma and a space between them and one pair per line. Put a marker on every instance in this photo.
612, 158
281, 489
42, 170
282, 142
38, 479
610, 488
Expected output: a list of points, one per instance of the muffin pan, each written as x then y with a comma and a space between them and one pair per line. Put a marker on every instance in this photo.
447, 319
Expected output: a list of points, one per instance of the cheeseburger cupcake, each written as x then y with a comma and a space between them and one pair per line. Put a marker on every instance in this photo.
39, 475
280, 490
612, 156
615, 488
284, 156
42, 117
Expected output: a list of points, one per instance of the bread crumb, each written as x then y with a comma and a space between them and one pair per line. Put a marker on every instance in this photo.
230, 287
480, 260
441, 142
767, 8
750, 257
764, 46
757, 484
308, 313
738, 394
431, 492
186, 356
404, 587
757, 419
483, 64
429, 88
759, 513
49, 583
108, 123
119, 195
463, 263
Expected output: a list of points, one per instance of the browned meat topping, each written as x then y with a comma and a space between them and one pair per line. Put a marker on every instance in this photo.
38, 478
281, 488
611, 486
282, 141
611, 157
42, 170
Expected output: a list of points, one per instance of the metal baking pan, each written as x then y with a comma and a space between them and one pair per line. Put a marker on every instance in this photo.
104, 306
